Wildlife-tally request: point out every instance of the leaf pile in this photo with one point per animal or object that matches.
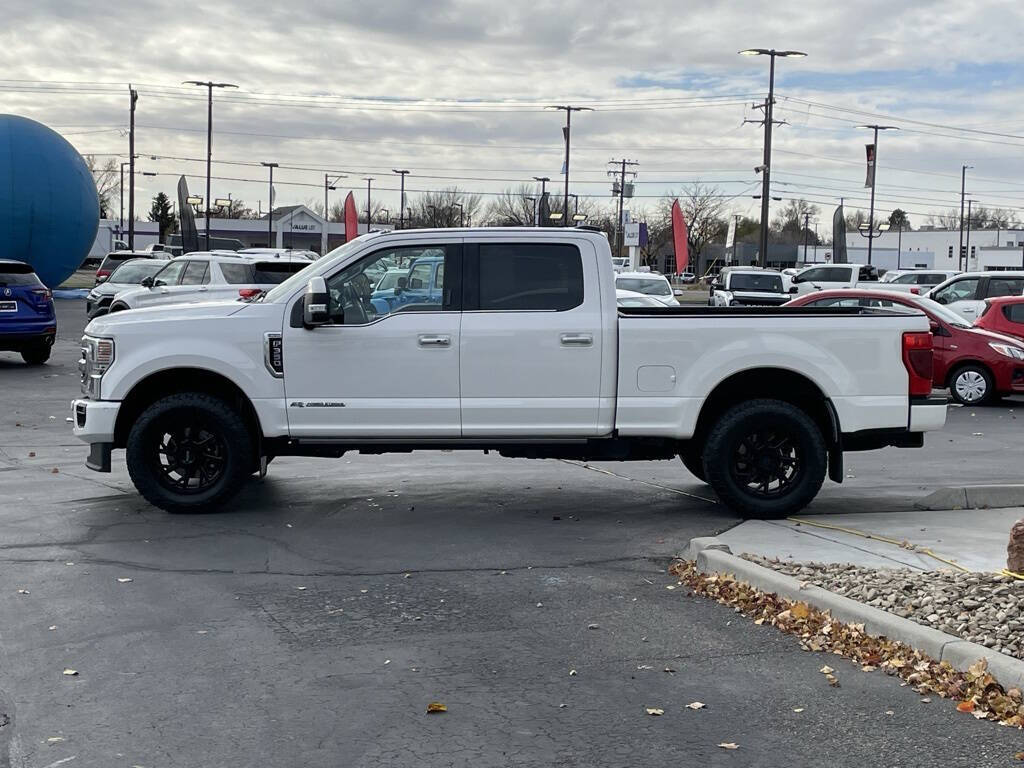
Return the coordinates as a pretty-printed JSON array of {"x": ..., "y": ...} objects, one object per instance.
[{"x": 977, "y": 692}]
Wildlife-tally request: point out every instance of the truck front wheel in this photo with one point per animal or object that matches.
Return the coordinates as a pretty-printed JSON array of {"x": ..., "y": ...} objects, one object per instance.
[
  {"x": 189, "y": 452},
  {"x": 765, "y": 459}
]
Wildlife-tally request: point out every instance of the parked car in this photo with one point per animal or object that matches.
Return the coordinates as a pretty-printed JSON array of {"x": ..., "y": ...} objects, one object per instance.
[
  {"x": 829, "y": 276},
  {"x": 207, "y": 276},
  {"x": 113, "y": 259},
  {"x": 28, "y": 322},
  {"x": 748, "y": 286},
  {"x": 975, "y": 364},
  {"x": 917, "y": 281},
  {"x": 280, "y": 253},
  {"x": 649, "y": 284},
  {"x": 965, "y": 294},
  {"x": 1005, "y": 315},
  {"x": 527, "y": 355},
  {"x": 687, "y": 278},
  {"x": 634, "y": 299},
  {"x": 620, "y": 263},
  {"x": 390, "y": 280},
  {"x": 125, "y": 275},
  {"x": 420, "y": 288}
]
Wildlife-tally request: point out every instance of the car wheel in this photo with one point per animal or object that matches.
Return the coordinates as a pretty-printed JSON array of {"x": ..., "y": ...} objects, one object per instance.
[
  {"x": 693, "y": 460},
  {"x": 972, "y": 385},
  {"x": 36, "y": 355},
  {"x": 189, "y": 452},
  {"x": 765, "y": 459}
]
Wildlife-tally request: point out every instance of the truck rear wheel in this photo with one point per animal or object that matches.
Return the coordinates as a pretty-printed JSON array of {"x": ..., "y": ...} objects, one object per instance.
[
  {"x": 765, "y": 459},
  {"x": 189, "y": 452}
]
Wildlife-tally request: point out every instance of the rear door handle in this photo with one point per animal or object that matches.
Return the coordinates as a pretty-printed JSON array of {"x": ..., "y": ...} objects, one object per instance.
[
  {"x": 435, "y": 341},
  {"x": 577, "y": 340}
]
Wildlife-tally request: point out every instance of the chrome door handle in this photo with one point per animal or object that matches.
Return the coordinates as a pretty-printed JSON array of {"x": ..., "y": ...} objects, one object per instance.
[
  {"x": 435, "y": 341},
  {"x": 577, "y": 339}
]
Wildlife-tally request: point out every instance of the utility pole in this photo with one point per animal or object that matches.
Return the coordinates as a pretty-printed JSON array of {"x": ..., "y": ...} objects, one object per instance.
[
  {"x": 461, "y": 211},
  {"x": 401, "y": 203},
  {"x": 328, "y": 185},
  {"x": 899, "y": 244},
  {"x": 210, "y": 85},
  {"x": 120, "y": 226},
  {"x": 621, "y": 171},
  {"x": 873, "y": 170},
  {"x": 807, "y": 222},
  {"x": 961, "y": 256},
  {"x": 270, "y": 208},
  {"x": 736, "y": 236},
  {"x": 369, "y": 211},
  {"x": 133, "y": 97},
  {"x": 967, "y": 247},
  {"x": 543, "y": 191},
  {"x": 566, "y": 132}
]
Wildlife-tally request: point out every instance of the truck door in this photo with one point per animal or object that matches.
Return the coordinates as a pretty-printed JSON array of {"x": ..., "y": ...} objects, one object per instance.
[
  {"x": 531, "y": 357},
  {"x": 377, "y": 370}
]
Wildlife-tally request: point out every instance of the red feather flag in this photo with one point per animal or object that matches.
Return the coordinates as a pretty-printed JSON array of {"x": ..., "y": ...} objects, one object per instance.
[
  {"x": 351, "y": 219},
  {"x": 679, "y": 238}
]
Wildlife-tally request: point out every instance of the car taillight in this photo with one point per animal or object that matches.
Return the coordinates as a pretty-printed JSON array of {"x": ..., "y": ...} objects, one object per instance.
[
  {"x": 917, "y": 359},
  {"x": 916, "y": 291},
  {"x": 42, "y": 294},
  {"x": 102, "y": 274},
  {"x": 248, "y": 293}
]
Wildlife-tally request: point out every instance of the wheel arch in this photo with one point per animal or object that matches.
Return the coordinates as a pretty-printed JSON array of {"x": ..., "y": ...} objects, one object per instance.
[
  {"x": 963, "y": 362},
  {"x": 175, "y": 380}
]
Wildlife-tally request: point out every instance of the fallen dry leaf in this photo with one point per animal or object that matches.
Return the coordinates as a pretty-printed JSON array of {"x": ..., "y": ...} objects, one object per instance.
[
  {"x": 965, "y": 706},
  {"x": 655, "y": 711},
  {"x": 71, "y": 672},
  {"x": 800, "y": 610},
  {"x": 1019, "y": 755},
  {"x": 729, "y": 745},
  {"x": 826, "y": 670},
  {"x": 696, "y": 705},
  {"x": 832, "y": 680},
  {"x": 124, "y": 581},
  {"x": 436, "y": 707}
]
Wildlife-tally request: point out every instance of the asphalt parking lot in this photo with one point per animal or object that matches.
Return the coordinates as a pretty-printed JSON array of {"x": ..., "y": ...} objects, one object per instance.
[{"x": 310, "y": 622}]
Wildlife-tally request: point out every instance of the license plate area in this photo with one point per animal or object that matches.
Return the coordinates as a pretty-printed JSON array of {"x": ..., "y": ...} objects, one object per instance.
[{"x": 8, "y": 306}]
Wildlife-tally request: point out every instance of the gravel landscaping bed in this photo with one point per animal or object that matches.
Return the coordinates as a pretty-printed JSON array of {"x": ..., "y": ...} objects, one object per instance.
[{"x": 985, "y": 608}]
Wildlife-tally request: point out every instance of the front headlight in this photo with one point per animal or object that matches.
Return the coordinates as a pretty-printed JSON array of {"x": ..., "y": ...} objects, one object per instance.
[
  {"x": 1008, "y": 351},
  {"x": 97, "y": 357}
]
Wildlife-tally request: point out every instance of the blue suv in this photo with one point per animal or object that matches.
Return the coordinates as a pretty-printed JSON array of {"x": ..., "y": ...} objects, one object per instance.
[
  {"x": 422, "y": 285},
  {"x": 28, "y": 323}
]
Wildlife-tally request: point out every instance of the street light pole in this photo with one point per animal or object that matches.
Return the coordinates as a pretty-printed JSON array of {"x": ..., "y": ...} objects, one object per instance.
[
  {"x": 461, "y": 211},
  {"x": 209, "y": 85},
  {"x": 401, "y": 201},
  {"x": 807, "y": 221},
  {"x": 270, "y": 207},
  {"x": 961, "y": 259},
  {"x": 899, "y": 244},
  {"x": 133, "y": 97},
  {"x": 369, "y": 210},
  {"x": 543, "y": 190},
  {"x": 967, "y": 247},
  {"x": 769, "y": 112},
  {"x": 120, "y": 225},
  {"x": 874, "y": 177},
  {"x": 567, "y": 132},
  {"x": 328, "y": 185}
]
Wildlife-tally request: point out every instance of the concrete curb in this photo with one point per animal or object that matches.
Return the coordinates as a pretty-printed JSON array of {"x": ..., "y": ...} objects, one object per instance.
[
  {"x": 714, "y": 557},
  {"x": 974, "y": 497}
]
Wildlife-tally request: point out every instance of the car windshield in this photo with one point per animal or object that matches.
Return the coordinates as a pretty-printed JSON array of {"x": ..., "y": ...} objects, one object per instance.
[
  {"x": 132, "y": 272},
  {"x": 749, "y": 282},
  {"x": 302, "y": 277},
  {"x": 944, "y": 314},
  {"x": 652, "y": 286},
  {"x": 390, "y": 280}
]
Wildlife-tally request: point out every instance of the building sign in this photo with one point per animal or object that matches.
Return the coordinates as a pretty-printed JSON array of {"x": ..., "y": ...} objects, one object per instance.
[{"x": 305, "y": 227}]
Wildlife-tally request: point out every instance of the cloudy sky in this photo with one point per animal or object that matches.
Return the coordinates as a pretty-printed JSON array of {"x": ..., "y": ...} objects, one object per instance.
[{"x": 454, "y": 91}]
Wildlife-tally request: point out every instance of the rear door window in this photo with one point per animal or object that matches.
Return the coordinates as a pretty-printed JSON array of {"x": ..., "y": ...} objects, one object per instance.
[
  {"x": 195, "y": 273},
  {"x": 236, "y": 274},
  {"x": 838, "y": 274},
  {"x": 529, "y": 277},
  {"x": 960, "y": 290},
  {"x": 274, "y": 272},
  {"x": 1004, "y": 286},
  {"x": 1014, "y": 313}
]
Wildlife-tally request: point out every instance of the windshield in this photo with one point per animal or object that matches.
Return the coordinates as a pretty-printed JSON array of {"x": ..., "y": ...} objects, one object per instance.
[
  {"x": 765, "y": 283},
  {"x": 301, "y": 277},
  {"x": 650, "y": 286},
  {"x": 390, "y": 280},
  {"x": 944, "y": 314},
  {"x": 132, "y": 272}
]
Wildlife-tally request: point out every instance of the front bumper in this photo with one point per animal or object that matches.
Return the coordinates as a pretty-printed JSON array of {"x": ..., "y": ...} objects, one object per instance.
[
  {"x": 28, "y": 335},
  {"x": 93, "y": 421}
]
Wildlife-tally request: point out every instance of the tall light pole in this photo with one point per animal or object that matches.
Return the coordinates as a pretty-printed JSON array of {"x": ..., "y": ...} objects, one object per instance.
[
  {"x": 120, "y": 226},
  {"x": 401, "y": 202},
  {"x": 567, "y": 133},
  {"x": 328, "y": 185},
  {"x": 209, "y": 85},
  {"x": 459, "y": 206},
  {"x": 769, "y": 112},
  {"x": 369, "y": 210},
  {"x": 961, "y": 256},
  {"x": 270, "y": 208},
  {"x": 874, "y": 175},
  {"x": 967, "y": 247},
  {"x": 133, "y": 96},
  {"x": 543, "y": 191}
]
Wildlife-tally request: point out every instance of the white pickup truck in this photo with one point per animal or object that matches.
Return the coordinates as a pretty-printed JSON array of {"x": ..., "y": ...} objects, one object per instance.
[
  {"x": 827, "y": 277},
  {"x": 519, "y": 348}
]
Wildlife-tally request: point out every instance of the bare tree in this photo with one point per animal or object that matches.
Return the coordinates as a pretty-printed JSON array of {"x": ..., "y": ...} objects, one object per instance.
[
  {"x": 947, "y": 220},
  {"x": 441, "y": 209},
  {"x": 789, "y": 225},
  {"x": 703, "y": 208},
  {"x": 108, "y": 182},
  {"x": 238, "y": 210},
  {"x": 514, "y": 207}
]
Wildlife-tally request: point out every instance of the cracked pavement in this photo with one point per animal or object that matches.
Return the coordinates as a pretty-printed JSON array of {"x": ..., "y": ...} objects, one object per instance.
[{"x": 310, "y": 622}]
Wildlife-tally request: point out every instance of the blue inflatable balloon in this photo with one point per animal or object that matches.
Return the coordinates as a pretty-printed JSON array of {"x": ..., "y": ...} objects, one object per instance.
[{"x": 49, "y": 209}]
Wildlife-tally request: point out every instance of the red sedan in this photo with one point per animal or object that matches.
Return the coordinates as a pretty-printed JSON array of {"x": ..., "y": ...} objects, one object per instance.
[
  {"x": 1003, "y": 315},
  {"x": 975, "y": 364}
]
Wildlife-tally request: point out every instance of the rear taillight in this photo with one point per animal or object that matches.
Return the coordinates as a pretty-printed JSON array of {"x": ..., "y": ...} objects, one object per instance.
[
  {"x": 917, "y": 359},
  {"x": 249, "y": 293},
  {"x": 916, "y": 291},
  {"x": 42, "y": 294},
  {"x": 102, "y": 274}
]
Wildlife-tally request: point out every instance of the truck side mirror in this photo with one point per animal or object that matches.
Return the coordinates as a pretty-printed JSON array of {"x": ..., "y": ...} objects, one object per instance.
[
  {"x": 314, "y": 303},
  {"x": 403, "y": 283},
  {"x": 794, "y": 289},
  {"x": 147, "y": 281}
]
